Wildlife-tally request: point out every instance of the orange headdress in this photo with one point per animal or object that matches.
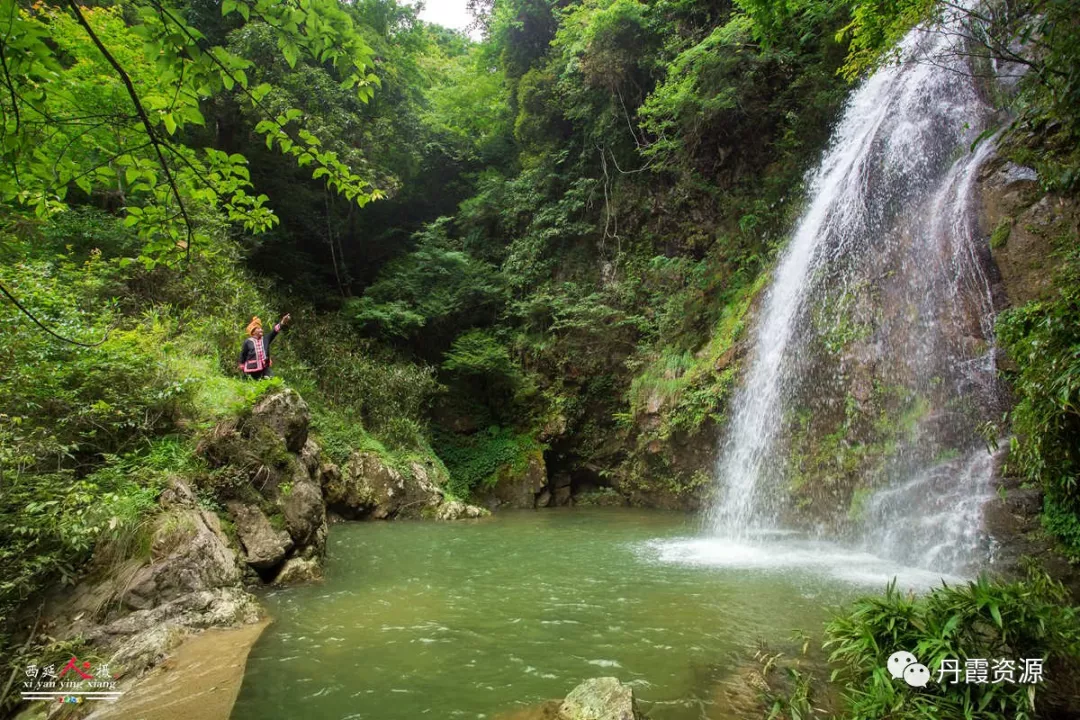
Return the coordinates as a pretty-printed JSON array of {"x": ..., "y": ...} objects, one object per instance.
[{"x": 255, "y": 323}]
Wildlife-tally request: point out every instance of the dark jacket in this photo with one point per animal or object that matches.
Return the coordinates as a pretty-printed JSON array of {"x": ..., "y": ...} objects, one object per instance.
[{"x": 249, "y": 362}]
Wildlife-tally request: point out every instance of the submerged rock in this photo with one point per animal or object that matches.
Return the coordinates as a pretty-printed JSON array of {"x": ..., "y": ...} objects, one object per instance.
[
  {"x": 600, "y": 699},
  {"x": 544, "y": 711},
  {"x": 596, "y": 699}
]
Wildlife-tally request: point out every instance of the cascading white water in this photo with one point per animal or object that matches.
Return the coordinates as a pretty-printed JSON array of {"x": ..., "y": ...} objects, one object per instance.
[{"x": 889, "y": 233}]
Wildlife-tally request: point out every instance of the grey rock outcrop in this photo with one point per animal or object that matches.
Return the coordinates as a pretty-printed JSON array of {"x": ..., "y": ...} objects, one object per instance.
[
  {"x": 305, "y": 512},
  {"x": 136, "y": 608},
  {"x": 263, "y": 545},
  {"x": 287, "y": 415},
  {"x": 188, "y": 553},
  {"x": 350, "y": 491},
  {"x": 367, "y": 487},
  {"x": 275, "y": 492},
  {"x": 311, "y": 457},
  {"x": 457, "y": 510},
  {"x": 143, "y": 638}
]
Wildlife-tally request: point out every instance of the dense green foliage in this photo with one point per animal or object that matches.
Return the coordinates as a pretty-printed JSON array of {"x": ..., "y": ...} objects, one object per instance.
[
  {"x": 89, "y": 436},
  {"x": 100, "y": 105},
  {"x": 574, "y": 218},
  {"x": 651, "y": 170},
  {"x": 475, "y": 461},
  {"x": 1044, "y": 339},
  {"x": 979, "y": 620}
]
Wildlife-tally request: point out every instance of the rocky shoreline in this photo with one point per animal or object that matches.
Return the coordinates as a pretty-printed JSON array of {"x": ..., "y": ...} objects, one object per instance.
[
  {"x": 259, "y": 519},
  {"x": 174, "y": 620}
]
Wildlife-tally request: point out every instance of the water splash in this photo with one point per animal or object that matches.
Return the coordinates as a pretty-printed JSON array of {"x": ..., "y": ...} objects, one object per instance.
[{"x": 881, "y": 293}]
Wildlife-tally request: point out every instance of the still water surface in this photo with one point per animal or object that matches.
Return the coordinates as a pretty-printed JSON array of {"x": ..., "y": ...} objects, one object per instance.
[{"x": 474, "y": 619}]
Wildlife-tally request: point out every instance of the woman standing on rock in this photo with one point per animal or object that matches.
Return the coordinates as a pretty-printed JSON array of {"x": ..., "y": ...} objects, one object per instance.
[{"x": 255, "y": 360}]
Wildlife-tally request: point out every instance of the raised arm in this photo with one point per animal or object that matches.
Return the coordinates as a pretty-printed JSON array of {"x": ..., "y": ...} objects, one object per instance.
[{"x": 278, "y": 328}]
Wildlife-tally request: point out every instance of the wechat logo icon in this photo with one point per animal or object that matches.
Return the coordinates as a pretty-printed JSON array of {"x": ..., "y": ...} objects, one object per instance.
[{"x": 904, "y": 665}]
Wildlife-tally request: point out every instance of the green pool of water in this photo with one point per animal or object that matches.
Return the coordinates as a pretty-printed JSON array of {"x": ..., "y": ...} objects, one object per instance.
[{"x": 475, "y": 619}]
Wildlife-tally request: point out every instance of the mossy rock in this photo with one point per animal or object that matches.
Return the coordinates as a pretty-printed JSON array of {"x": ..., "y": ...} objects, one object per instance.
[{"x": 1001, "y": 234}]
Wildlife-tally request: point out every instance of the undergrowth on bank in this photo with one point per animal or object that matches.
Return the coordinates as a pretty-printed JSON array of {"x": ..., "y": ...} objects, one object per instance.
[
  {"x": 987, "y": 620},
  {"x": 981, "y": 619},
  {"x": 476, "y": 462},
  {"x": 90, "y": 436},
  {"x": 1043, "y": 338}
]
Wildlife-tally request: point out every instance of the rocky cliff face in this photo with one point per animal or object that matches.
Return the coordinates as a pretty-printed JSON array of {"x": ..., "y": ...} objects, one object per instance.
[
  {"x": 520, "y": 487},
  {"x": 271, "y": 485},
  {"x": 1022, "y": 222},
  {"x": 135, "y": 611}
]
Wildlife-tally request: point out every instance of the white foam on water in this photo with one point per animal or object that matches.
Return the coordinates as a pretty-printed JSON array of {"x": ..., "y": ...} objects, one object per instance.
[{"x": 793, "y": 557}]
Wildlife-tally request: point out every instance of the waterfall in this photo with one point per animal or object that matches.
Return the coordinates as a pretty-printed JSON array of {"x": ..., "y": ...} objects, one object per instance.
[{"x": 876, "y": 335}]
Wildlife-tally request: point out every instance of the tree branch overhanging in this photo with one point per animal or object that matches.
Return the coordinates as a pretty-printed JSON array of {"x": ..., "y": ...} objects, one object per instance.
[{"x": 144, "y": 118}]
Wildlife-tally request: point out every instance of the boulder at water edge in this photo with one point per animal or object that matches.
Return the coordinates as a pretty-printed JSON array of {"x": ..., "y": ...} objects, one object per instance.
[
  {"x": 457, "y": 510},
  {"x": 368, "y": 487},
  {"x": 298, "y": 570},
  {"x": 600, "y": 699}
]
